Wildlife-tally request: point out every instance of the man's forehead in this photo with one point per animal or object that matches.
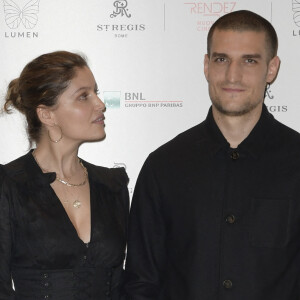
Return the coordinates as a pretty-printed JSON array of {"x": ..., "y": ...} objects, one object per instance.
[
  {"x": 237, "y": 39},
  {"x": 238, "y": 32}
]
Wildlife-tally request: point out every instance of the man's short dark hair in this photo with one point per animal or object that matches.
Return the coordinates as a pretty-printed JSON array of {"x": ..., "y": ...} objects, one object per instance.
[{"x": 245, "y": 20}]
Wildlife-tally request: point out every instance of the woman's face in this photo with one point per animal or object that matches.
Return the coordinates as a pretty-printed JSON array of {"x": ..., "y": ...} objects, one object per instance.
[{"x": 79, "y": 111}]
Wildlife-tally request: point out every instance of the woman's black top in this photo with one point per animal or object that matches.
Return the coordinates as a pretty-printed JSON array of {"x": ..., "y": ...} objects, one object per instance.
[{"x": 39, "y": 246}]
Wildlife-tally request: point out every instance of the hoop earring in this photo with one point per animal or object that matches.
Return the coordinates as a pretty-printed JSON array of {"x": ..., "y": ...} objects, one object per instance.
[{"x": 61, "y": 135}]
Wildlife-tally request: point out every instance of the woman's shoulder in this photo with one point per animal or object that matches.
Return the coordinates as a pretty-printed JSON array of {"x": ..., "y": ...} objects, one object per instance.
[
  {"x": 1, "y": 173},
  {"x": 16, "y": 169},
  {"x": 113, "y": 178}
]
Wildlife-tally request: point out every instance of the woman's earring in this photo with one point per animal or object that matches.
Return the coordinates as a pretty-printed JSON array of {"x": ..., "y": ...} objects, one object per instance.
[{"x": 61, "y": 135}]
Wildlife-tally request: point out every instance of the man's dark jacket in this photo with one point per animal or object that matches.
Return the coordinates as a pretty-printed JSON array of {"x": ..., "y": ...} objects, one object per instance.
[{"x": 209, "y": 222}]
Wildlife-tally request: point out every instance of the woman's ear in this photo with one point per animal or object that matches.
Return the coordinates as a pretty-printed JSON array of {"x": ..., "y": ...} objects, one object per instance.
[{"x": 45, "y": 115}]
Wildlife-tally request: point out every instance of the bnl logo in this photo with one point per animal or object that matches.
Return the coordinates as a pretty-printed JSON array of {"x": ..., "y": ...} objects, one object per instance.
[
  {"x": 121, "y": 9},
  {"x": 112, "y": 99}
]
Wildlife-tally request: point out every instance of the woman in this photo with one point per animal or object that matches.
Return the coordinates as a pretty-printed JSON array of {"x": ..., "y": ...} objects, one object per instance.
[{"x": 62, "y": 220}]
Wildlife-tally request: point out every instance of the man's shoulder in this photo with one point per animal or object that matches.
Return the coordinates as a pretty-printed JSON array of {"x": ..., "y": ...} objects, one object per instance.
[
  {"x": 284, "y": 133},
  {"x": 280, "y": 143},
  {"x": 182, "y": 143}
]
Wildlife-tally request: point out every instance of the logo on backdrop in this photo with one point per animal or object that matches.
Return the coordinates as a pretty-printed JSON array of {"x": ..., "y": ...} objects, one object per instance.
[
  {"x": 120, "y": 14},
  {"x": 120, "y": 165},
  {"x": 123, "y": 165},
  {"x": 296, "y": 16},
  {"x": 21, "y": 17},
  {"x": 296, "y": 10},
  {"x": 121, "y": 9},
  {"x": 208, "y": 12},
  {"x": 136, "y": 100},
  {"x": 271, "y": 105},
  {"x": 14, "y": 15},
  {"x": 112, "y": 99},
  {"x": 268, "y": 92}
]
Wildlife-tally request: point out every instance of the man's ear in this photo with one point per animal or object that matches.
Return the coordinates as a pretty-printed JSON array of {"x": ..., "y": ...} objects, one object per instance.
[
  {"x": 206, "y": 66},
  {"x": 273, "y": 68},
  {"x": 45, "y": 115}
]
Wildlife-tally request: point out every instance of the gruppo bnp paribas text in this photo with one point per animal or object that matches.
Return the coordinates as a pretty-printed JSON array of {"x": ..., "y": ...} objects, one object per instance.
[{"x": 137, "y": 100}]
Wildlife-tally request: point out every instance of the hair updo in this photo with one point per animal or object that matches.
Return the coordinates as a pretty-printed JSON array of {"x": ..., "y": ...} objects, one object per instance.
[{"x": 40, "y": 83}]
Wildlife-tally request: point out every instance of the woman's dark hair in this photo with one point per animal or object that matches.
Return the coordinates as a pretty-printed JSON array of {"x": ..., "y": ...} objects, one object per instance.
[{"x": 40, "y": 83}]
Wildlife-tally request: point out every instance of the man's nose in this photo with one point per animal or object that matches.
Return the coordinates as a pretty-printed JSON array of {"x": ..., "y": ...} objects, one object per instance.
[{"x": 234, "y": 72}]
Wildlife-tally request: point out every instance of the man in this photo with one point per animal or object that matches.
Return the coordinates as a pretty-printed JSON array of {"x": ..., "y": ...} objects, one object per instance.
[{"x": 216, "y": 211}]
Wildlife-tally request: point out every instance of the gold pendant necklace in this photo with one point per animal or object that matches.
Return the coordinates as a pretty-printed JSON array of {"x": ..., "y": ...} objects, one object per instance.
[
  {"x": 75, "y": 184},
  {"x": 77, "y": 203}
]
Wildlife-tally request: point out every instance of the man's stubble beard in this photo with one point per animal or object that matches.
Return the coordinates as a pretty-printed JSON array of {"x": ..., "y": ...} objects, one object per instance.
[{"x": 245, "y": 109}]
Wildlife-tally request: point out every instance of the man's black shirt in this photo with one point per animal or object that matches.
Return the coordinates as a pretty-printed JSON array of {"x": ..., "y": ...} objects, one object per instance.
[{"x": 209, "y": 222}]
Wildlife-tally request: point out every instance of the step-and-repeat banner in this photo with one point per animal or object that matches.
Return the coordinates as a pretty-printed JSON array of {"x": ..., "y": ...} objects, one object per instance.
[{"x": 147, "y": 58}]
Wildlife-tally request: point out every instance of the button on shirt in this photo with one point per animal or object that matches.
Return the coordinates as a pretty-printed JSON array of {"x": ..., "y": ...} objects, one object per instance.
[{"x": 210, "y": 222}]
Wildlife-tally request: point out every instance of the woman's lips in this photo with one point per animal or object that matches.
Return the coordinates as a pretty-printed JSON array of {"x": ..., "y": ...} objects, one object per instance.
[{"x": 99, "y": 120}]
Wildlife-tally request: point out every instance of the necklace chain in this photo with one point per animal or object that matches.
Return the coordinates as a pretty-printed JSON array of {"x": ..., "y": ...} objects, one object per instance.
[
  {"x": 65, "y": 181},
  {"x": 75, "y": 184}
]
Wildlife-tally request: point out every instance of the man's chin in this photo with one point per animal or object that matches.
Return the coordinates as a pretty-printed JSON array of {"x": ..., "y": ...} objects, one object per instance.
[{"x": 234, "y": 112}]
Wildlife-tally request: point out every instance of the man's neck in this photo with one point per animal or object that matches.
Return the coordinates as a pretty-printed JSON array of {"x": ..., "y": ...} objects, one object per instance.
[{"x": 236, "y": 128}]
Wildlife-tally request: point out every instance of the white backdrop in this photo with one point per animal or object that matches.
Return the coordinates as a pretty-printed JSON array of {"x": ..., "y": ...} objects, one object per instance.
[{"x": 147, "y": 57}]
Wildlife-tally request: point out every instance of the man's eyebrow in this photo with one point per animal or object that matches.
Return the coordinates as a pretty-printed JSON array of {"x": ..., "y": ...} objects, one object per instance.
[
  {"x": 216, "y": 54},
  {"x": 255, "y": 55}
]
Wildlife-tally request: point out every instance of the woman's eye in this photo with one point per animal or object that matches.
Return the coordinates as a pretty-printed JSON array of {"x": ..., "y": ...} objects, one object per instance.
[{"x": 83, "y": 96}]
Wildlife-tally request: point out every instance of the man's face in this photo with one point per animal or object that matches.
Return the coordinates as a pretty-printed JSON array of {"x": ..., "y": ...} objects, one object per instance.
[{"x": 238, "y": 70}]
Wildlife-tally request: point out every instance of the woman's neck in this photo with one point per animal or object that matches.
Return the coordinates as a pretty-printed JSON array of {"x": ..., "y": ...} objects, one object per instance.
[{"x": 59, "y": 158}]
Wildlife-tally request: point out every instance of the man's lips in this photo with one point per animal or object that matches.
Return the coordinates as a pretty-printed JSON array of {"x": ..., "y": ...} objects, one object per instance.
[{"x": 232, "y": 90}]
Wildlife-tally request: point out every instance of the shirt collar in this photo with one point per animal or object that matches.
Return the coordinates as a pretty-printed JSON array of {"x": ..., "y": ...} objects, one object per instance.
[
  {"x": 252, "y": 144},
  {"x": 35, "y": 173},
  {"x": 255, "y": 142},
  {"x": 114, "y": 178}
]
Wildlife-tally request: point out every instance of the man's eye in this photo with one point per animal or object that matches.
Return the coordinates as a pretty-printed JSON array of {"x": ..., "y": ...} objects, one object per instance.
[
  {"x": 220, "y": 59},
  {"x": 250, "y": 61}
]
